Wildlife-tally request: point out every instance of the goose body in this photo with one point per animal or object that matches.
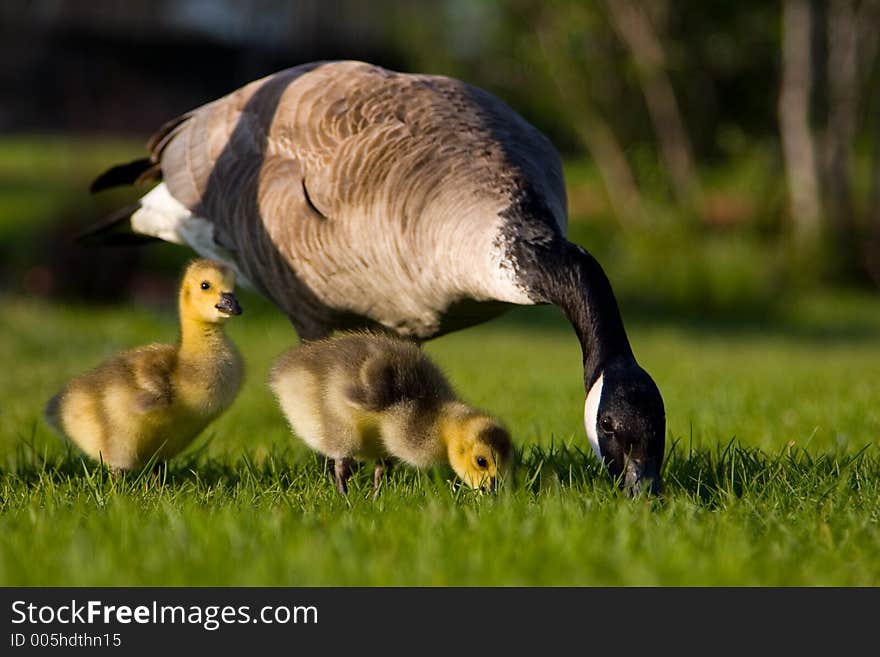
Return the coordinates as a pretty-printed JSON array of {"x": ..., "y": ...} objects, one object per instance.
[
  {"x": 153, "y": 400},
  {"x": 357, "y": 197},
  {"x": 357, "y": 396}
]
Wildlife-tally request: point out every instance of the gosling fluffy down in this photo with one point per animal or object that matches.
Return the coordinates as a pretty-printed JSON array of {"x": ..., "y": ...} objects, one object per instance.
[
  {"x": 155, "y": 399},
  {"x": 359, "y": 396}
]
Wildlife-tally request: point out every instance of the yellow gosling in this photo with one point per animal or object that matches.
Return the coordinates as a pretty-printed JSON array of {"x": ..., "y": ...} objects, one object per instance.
[
  {"x": 155, "y": 399},
  {"x": 360, "y": 396}
]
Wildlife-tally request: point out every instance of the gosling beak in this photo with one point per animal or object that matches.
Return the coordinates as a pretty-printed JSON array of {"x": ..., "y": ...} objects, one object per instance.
[
  {"x": 228, "y": 304},
  {"x": 640, "y": 477},
  {"x": 488, "y": 485}
]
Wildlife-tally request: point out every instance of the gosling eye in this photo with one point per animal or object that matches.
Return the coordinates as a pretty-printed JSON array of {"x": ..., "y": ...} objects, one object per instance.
[
  {"x": 206, "y": 285},
  {"x": 607, "y": 424},
  {"x": 482, "y": 463}
]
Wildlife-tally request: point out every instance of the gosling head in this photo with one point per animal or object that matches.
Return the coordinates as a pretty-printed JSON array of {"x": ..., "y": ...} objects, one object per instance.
[
  {"x": 207, "y": 292},
  {"x": 479, "y": 450}
]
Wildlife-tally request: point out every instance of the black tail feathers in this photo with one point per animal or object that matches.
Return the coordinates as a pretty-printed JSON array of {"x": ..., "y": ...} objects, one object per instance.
[
  {"x": 114, "y": 230},
  {"x": 130, "y": 173}
]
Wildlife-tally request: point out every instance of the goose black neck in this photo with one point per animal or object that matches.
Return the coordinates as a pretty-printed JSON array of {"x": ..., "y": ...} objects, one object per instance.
[{"x": 576, "y": 282}]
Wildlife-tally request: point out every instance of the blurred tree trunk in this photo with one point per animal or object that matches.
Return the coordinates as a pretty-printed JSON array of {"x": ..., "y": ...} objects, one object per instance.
[
  {"x": 794, "y": 123},
  {"x": 872, "y": 247},
  {"x": 842, "y": 107},
  {"x": 868, "y": 22},
  {"x": 868, "y": 25},
  {"x": 646, "y": 49},
  {"x": 592, "y": 129},
  {"x": 852, "y": 42},
  {"x": 623, "y": 193}
]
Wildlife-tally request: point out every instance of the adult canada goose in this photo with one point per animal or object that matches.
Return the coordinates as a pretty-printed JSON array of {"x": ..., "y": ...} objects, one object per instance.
[
  {"x": 353, "y": 196},
  {"x": 361, "y": 396},
  {"x": 153, "y": 400}
]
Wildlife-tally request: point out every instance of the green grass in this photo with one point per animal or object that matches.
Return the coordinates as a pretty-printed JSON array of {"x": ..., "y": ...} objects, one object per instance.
[
  {"x": 773, "y": 403},
  {"x": 772, "y": 472}
]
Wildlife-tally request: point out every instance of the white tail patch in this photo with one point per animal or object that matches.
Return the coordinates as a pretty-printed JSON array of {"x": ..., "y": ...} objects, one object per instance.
[
  {"x": 591, "y": 415},
  {"x": 160, "y": 215},
  {"x": 163, "y": 216}
]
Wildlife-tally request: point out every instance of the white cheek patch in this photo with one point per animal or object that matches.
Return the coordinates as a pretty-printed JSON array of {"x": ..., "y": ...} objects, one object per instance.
[{"x": 591, "y": 415}]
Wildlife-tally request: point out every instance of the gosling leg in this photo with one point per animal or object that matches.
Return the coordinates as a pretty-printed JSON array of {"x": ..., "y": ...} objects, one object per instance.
[
  {"x": 160, "y": 472},
  {"x": 342, "y": 469},
  {"x": 383, "y": 466}
]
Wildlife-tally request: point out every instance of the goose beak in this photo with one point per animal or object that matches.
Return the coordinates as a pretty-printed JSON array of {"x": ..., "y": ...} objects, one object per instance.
[
  {"x": 638, "y": 477},
  {"x": 228, "y": 304}
]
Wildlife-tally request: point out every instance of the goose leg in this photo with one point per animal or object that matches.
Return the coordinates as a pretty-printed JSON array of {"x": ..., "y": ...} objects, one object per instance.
[{"x": 342, "y": 469}]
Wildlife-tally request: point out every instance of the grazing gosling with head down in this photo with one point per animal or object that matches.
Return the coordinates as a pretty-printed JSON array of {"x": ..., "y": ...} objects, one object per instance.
[
  {"x": 361, "y": 396},
  {"x": 155, "y": 399}
]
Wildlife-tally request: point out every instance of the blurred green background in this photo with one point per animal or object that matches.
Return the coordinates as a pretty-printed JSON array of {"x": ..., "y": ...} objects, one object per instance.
[{"x": 721, "y": 159}]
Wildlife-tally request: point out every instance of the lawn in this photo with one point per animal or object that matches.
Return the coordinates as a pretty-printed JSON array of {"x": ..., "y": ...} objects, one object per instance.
[{"x": 772, "y": 475}]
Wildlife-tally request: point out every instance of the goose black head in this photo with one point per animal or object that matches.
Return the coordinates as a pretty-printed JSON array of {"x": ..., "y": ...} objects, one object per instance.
[{"x": 626, "y": 425}]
